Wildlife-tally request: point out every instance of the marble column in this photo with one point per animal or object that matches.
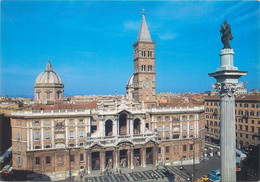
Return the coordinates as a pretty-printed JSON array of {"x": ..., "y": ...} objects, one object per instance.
[
  {"x": 132, "y": 157},
  {"x": 227, "y": 82},
  {"x": 143, "y": 156},
  {"x": 89, "y": 161}
]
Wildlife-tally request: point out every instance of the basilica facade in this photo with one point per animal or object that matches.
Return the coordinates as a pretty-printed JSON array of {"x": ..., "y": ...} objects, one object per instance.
[{"x": 54, "y": 136}]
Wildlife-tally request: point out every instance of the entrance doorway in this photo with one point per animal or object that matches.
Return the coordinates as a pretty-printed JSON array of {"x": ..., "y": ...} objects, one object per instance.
[
  {"x": 149, "y": 155},
  {"x": 123, "y": 158},
  {"x": 137, "y": 157},
  {"x": 95, "y": 161},
  {"x": 109, "y": 159}
]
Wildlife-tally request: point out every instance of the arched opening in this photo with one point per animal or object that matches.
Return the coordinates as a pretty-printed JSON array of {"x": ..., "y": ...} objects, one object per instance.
[
  {"x": 137, "y": 126},
  {"x": 109, "y": 128},
  {"x": 122, "y": 124}
]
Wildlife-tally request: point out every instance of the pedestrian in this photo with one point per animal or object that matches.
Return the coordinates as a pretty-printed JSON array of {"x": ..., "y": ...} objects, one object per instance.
[{"x": 141, "y": 178}]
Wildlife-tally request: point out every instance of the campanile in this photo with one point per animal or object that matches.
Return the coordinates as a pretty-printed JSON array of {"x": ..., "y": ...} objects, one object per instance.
[{"x": 144, "y": 66}]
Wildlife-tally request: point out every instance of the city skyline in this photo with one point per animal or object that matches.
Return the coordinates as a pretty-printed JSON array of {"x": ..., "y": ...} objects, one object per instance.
[{"x": 90, "y": 45}]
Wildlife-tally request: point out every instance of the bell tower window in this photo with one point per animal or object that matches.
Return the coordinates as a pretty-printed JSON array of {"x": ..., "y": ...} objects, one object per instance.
[
  {"x": 149, "y": 53},
  {"x": 143, "y": 53},
  {"x": 143, "y": 67},
  {"x": 150, "y": 68}
]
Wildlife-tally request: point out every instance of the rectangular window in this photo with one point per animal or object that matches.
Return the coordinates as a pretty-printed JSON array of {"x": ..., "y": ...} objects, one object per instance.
[
  {"x": 47, "y": 122},
  {"x": 246, "y": 128},
  {"x": 37, "y": 147},
  {"x": 159, "y": 150},
  {"x": 81, "y": 133},
  {"x": 191, "y": 146},
  {"x": 18, "y": 147},
  {"x": 252, "y": 129},
  {"x": 36, "y": 122},
  {"x": 184, "y": 148},
  {"x": 38, "y": 96},
  {"x": 18, "y": 136},
  {"x": 159, "y": 128},
  {"x": 253, "y": 121},
  {"x": 81, "y": 144},
  {"x": 240, "y": 127},
  {"x": 48, "y": 95},
  {"x": 81, "y": 120},
  {"x": 37, "y": 160},
  {"x": 71, "y": 158},
  {"x": 253, "y": 105},
  {"x": 167, "y": 149},
  {"x": 37, "y": 136},
  {"x": 241, "y": 135},
  {"x": 167, "y": 128},
  {"x": 18, "y": 122},
  {"x": 71, "y": 134},
  {"x": 191, "y": 127},
  {"x": 48, "y": 160},
  {"x": 47, "y": 135},
  {"x": 143, "y": 67},
  {"x": 81, "y": 157},
  {"x": 184, "y": 127}
]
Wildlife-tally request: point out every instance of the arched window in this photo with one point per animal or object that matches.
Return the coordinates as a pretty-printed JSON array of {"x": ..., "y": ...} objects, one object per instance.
[
  {"x": 137, "y": 126},
  {"x": 109, "y": 128}
]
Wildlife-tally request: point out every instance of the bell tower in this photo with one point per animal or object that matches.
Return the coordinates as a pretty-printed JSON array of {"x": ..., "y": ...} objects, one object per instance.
[{"x": 144, "y": 67}]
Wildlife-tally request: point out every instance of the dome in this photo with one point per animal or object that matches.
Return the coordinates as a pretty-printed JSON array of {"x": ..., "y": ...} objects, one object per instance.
[
  {"x": 48, "y": 76},
  {"x": 130, "y": 81}
]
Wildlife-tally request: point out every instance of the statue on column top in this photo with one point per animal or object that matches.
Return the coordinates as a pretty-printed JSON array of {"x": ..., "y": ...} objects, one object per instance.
[{"x": 226, "y": 34}]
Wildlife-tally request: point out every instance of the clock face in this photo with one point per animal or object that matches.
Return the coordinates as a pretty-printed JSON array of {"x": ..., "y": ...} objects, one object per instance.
[{"x": 147, "y": 85}]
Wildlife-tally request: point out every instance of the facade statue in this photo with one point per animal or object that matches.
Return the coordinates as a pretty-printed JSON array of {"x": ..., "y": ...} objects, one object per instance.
[{"x": 226, "y": 34}]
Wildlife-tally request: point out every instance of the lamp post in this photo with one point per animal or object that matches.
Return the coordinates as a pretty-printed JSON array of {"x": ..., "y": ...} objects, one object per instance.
[{"x": 193, "y": 159}]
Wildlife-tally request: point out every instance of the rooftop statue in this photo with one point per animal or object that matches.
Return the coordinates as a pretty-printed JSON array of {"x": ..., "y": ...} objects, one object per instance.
[{"x": 226, "y": 34}]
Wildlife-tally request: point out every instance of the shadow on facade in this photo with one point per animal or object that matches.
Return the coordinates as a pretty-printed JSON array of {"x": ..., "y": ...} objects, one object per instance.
[{"x": 23, "y": 175}]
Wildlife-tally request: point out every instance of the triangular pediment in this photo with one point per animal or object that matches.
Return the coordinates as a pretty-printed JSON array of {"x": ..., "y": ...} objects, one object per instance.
[
  {"x": 96, "y": 145},
  {"x": 124, "y": 111}
]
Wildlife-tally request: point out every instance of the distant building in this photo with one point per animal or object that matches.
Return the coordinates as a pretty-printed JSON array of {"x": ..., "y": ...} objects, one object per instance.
[
  {"x": 48, "y": 86},
  {"x": 247, "y": 114}
]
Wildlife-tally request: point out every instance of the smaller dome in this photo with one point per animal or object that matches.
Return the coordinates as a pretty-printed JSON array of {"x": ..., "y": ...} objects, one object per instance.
[
  {"x": 48, "y": 76},
  {"x": 130, "y": 81}
]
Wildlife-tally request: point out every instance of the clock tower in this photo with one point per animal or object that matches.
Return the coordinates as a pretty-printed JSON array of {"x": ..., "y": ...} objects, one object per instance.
[{"x": 144, "y": 67}]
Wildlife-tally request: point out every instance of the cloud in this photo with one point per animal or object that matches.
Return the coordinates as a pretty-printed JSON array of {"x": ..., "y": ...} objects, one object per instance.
[
  {"x": 247, "y": 16},
  {"x": 132, "y": 25},
  {"x": 168, "y": 36},
  {"x": 86, "y": 53},
  {"x": 235, "y": 9}
]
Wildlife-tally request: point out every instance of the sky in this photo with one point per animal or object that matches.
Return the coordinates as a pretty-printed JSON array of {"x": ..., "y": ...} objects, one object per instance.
[{"x": 90, "y": 43}]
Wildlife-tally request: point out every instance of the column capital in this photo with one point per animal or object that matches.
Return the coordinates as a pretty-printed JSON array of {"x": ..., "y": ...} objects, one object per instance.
[{"x": 226, "y": 89}]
